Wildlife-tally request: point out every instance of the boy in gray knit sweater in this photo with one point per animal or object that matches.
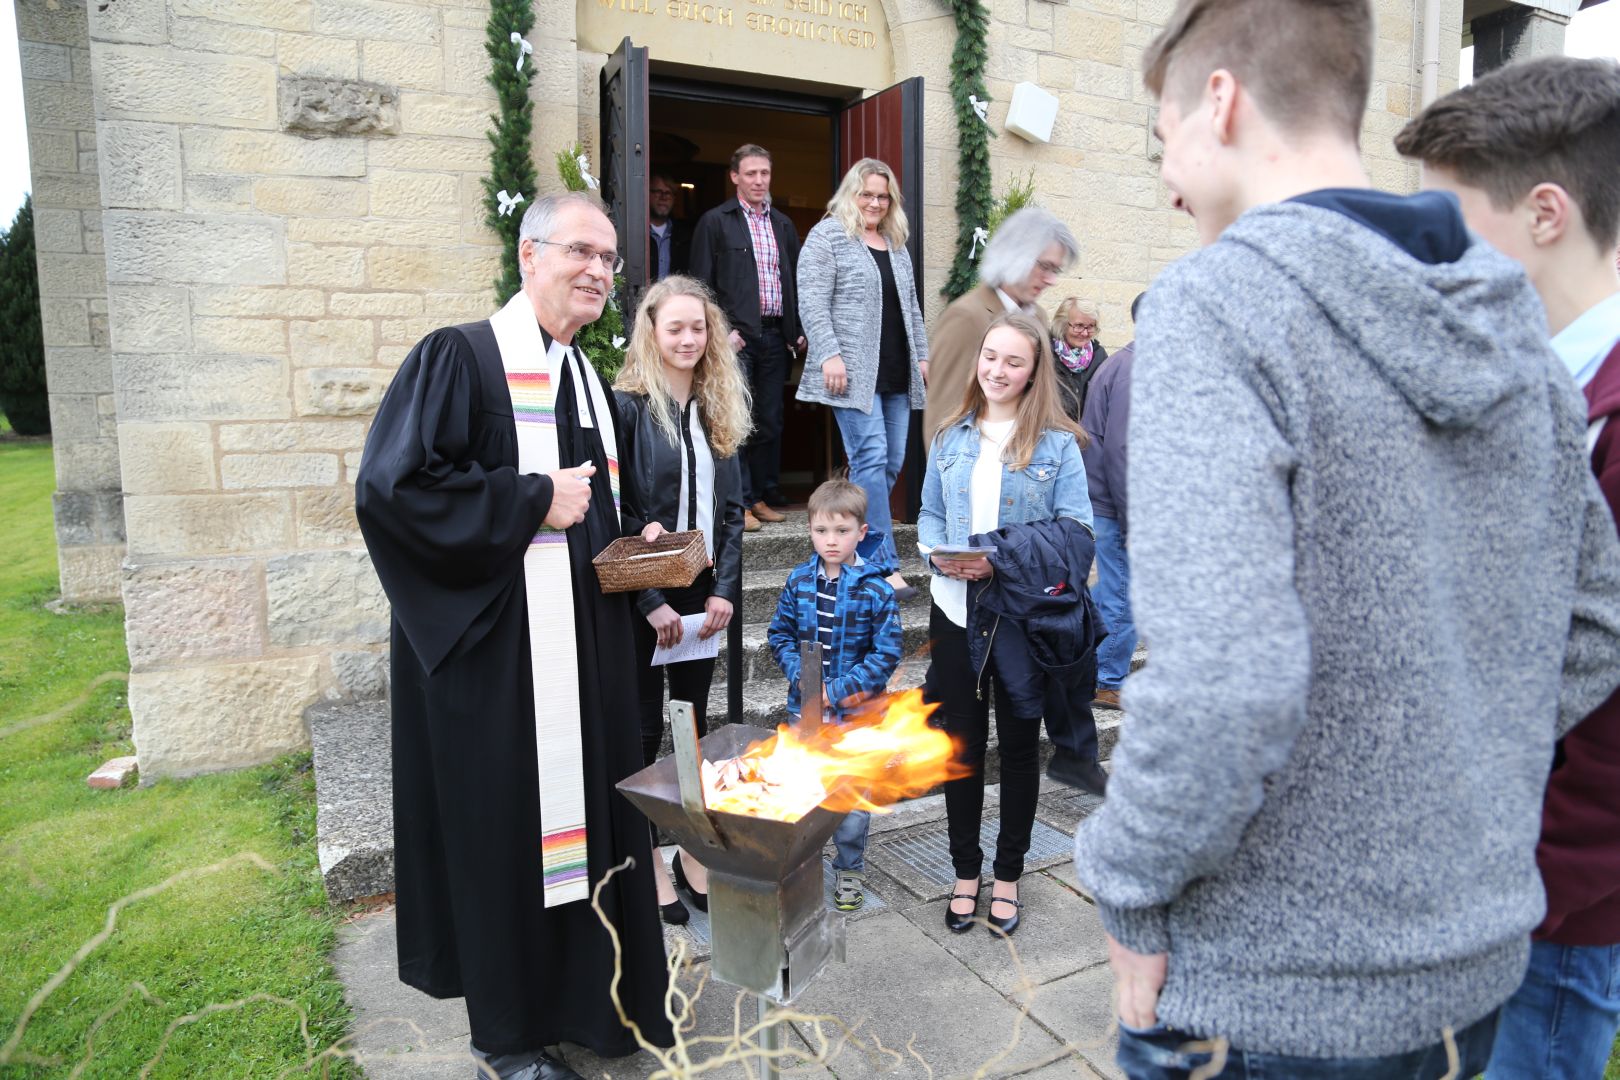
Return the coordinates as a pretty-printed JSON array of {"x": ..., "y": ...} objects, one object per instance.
[{"x": 1319, "y": 839}]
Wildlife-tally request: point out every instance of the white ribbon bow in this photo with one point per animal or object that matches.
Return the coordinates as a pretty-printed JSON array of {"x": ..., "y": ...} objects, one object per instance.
[
  {"x": 585, "y": 171},
  {"x": 618, "y": 342},
  {"x": 981, "y": 109},
  {"x": 508, "y": 202},
  {"x": 524, "y": 48},
  {"x": 980, "y": 236}
]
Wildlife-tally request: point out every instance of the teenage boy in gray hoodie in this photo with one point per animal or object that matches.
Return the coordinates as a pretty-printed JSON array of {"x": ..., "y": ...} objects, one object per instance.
[{"x": 1377, "y": 578}]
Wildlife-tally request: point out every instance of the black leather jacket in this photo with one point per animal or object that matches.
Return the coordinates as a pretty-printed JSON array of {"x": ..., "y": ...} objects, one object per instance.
[{"x": 650, "y": 475}]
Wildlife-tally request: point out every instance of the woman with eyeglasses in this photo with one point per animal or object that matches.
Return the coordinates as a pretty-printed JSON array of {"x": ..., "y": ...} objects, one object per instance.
[
  {"x": 1079, "y": 353},
  {"x": 868, "y": 351}
]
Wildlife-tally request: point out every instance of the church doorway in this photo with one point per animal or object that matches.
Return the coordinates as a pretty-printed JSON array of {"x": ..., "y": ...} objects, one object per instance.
[{"x": 659, "y": 119}]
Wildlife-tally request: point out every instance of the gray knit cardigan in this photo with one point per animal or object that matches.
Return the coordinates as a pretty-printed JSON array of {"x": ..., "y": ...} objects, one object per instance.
[{"x": 841, "y": 310}]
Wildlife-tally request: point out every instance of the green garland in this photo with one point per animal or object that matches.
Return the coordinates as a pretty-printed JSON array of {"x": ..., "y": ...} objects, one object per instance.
[
  {"x": 511, "y": 157},
  {"x": 602, "y": 340},
  {"x": 973, "y": 199}
]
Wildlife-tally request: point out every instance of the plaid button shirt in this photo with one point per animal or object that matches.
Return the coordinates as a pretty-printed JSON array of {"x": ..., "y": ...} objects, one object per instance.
[{"x": 767, "y": 259}]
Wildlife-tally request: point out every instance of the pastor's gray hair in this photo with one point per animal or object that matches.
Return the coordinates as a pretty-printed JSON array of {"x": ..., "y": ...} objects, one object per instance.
[
  {"x": 1018, "y": 244},
  {"x": 540, "y": 219}
]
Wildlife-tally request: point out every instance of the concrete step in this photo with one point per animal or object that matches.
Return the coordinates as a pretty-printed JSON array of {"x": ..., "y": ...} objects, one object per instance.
[
  {"x": 762, "y": 589},
  {"x": 786, "y": 544},
  {"x": 354, "y": 788},
  {"x": 759, "y": 664}
]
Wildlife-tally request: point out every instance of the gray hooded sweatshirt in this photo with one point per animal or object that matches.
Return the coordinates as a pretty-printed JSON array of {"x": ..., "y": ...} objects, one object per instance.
[{"x": 1377, "y": 580}]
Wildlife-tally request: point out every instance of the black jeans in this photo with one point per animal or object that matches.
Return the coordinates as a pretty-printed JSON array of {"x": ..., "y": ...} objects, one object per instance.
[
  {"x": 765, "y": 363},
  {"x": 952, "y": 682},
  {"x": 687, "y": 682},
  {"x": 1069, "y": 720}
]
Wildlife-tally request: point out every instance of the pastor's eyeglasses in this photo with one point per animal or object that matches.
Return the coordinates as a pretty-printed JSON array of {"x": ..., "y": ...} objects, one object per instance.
[{"x": 584, "y": 253}]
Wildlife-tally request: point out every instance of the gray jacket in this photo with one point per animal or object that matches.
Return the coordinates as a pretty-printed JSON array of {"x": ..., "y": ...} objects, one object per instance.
[
  {"x": 1378, "y": 581},
  {"x": 841, "y": 310}
]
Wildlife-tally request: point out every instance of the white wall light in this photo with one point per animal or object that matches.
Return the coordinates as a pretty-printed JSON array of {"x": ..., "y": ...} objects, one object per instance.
[{"x": 1031, "y": 113}]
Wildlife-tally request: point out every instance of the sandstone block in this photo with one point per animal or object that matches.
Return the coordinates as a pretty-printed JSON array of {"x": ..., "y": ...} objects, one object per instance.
[
  {"x": 64, "y": 322},
  {"x": 367, "y": 233},
  {"x": 166, "y": 459},
  {"x": 335, "y": 58},
  {"x": 221, "y": 716},
  {"x": 58, "y": 230},
  {"x": 310, "y": 197},
  {"x": 1087, "y": 35},
  {"x": 233, "y": 335},
  {"x": 42, "y": 61},
  {"x": 86, "y": 465},
  {"x": 323, "y": 106},
  {"x": 113, "y": 774},
  {"x": 328, "y": 266},
  {"x": 466, "y": 64},
  {"x": 324, "y": 598},
  {"x": 52, "y": 151},
  {"x": 75, "y": 417},
  {"x": 407, "y": 65},
  {"x": 361, "y": 675},
  {"x": 143, "y": 21},
  {"x": 205, "y": 35},
  {"x": 207, "y": 525},
  {"x": 406, "y": 331},
  {"x": 422, "y": 269},
  {"x": 58, "y": 104},
  {"x": 458, "y": 307},
  {"x": 192, "y": 610},
  {"x": 331, "y": 343},
  {"x": 238, "y": 471},
  {"x": 80, "y": 191},
  {"x": 144, "y": 247},
  {"x": 85, "y": 370},
  {"x": 417, "y": 196},
  {"x": 351, "y": 466},
  {"x": 143, "y": 165},
  {"x": 59, "y": 24},
  {"x": 89, "y": 575},
  {"x": 200, "y": 386},
  {"x": 216, "y": 194},
  {"x": 379, "y": 20},
  {"x": 376, "y": 303},
  {"x": 275, "y": 14},
  {"x": 339, "y": 391},
  {"x": 295, "y": 435},
  {"x": 214, "y": 150},
  {"x": 148, "y": 318},
  {"x": 470, "y": 153},
  {"x": 446, "y": 114},
  {"x": 84, "y": 518},
  {"x": 62, "y": 274},
  {"x": 326, "y": 518},
  {"x": 228, "y": 300},
  {"x": 140, "y": 82}
]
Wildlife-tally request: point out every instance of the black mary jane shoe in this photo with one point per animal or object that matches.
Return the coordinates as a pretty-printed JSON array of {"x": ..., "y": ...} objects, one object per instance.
[
  {"x": 674, "y": 913},
  {"x": 700, "y": 900},
  {"x": 1006, "y": 926},
  {"x": 961, "y": 924}
]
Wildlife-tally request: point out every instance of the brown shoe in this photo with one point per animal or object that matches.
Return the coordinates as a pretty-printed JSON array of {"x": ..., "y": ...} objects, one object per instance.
[
  {"x": 750, "y": 522},
  {"x": 1107, "y": 699},
  {"x": 765, "y": 513}
]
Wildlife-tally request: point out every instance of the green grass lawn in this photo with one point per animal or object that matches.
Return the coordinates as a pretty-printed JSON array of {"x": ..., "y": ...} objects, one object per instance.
[{"x": 67, "y": 853}]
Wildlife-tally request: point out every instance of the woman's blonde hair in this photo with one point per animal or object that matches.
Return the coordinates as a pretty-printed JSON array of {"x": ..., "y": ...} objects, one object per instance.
[
  {"x": 718, "y": 385},
  {"x": 1066, "y": 312},
  {"x": 844, "y": 209},
  {"x": 1040, "y": 410}
]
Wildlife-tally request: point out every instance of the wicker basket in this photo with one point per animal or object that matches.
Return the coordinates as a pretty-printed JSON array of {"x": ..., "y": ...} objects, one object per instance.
[{"x": 673, "y": 561}]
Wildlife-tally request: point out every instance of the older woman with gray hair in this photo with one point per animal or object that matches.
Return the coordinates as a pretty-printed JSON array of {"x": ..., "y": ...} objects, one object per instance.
[
  {"x": 1023, "y": 259},
  {"x": 868, "y": 352}
]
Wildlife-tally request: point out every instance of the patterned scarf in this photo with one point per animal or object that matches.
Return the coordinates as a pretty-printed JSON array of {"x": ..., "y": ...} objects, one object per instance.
[{"x": 1071, "y": 358}]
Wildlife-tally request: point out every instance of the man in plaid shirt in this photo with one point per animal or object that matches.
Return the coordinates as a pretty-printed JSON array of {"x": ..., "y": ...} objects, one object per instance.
[{"x": 748, "y": 253}]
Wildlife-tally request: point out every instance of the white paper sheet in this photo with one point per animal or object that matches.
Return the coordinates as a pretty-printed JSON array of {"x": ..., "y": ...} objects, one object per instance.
[{"x": 690, "y": 646}]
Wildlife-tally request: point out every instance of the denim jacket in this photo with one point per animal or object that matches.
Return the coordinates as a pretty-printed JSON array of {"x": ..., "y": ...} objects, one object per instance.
[{"x": 1052, "y": 485}]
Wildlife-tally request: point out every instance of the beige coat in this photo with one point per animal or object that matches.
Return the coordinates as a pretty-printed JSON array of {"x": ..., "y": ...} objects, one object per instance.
[{"x": 953, "y": 351}]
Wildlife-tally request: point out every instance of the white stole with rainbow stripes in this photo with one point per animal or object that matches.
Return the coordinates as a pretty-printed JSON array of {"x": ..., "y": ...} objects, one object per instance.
[{"x": 533, "y": 374}]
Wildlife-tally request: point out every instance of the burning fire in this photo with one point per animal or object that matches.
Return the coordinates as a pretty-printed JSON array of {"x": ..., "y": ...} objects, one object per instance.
[{"x": 867, "y": 763}]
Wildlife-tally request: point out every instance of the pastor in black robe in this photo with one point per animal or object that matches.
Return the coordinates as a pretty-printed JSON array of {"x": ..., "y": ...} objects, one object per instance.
[{"x": 447, "y": 518}]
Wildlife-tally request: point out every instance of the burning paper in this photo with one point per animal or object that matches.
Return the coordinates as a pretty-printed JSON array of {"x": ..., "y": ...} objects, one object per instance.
[{"x": 886, "y": 753}]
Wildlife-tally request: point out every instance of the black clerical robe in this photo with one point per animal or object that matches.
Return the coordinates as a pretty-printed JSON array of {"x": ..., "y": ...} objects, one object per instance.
[{"x": 447, "y": 518}]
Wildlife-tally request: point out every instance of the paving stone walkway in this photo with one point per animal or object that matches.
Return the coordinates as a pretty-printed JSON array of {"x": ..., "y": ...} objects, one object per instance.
[{"x": 939, "y": 1004}]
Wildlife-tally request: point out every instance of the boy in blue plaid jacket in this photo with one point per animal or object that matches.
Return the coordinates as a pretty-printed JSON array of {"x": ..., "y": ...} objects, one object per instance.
[{"x": 836, "y": 598}]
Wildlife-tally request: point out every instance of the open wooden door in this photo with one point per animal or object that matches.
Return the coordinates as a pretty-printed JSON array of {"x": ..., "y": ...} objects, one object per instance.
[
  {"x": 889, "y": 126},
  {"x": 625, "y": 146}
]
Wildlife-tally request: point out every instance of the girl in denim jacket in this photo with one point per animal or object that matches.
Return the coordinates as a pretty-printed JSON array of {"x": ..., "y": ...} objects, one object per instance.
[{"x": 1008, "y": 455}]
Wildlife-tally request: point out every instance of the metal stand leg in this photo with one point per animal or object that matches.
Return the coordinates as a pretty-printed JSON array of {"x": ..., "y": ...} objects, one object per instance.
[{"x": 770, "y": 1041}]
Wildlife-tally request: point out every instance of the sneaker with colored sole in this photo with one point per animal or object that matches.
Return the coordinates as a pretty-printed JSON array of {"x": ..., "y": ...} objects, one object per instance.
[{"x": 849, "y": 892}]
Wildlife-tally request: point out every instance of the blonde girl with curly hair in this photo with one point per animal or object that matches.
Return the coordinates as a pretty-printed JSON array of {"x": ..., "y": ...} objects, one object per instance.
[{"x": 683, "y": 414}]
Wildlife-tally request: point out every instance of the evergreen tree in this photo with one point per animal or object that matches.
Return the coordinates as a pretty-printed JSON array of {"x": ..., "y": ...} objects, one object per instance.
[
  {"x": 973, "y": 199},
  {"x": 511, "y": 167},
  {"x": 22, "y": 349}
]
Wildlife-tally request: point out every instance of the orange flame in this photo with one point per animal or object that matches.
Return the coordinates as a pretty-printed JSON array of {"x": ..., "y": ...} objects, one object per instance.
[{"x": 886, "y": 753}]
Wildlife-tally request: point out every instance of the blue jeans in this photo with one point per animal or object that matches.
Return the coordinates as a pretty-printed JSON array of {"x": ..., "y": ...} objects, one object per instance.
[
  {"x": 1157, "y": 1054},
  {"x": 1561, "y": 1023},
  {"x": 875, "y": 444},
  {"x": 1113, "y": 598},
  {"x": 850, "y": 839}
]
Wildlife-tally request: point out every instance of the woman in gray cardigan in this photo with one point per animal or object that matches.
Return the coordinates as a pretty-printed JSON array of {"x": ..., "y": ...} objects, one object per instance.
[{"x": 868, "y": 353}]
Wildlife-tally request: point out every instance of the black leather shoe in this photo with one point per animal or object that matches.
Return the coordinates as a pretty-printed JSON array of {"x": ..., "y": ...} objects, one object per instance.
[
  {"x": 1004, "y": 926},
  {"x": 958, "y": 924},
  {"x": 1067, "y": 768},
  {"x": 674, "y": 913},
  {"x": 775, "y": 500},
  {"x": 552, "y": 1069},
  {"x": 700, "y": 900}
]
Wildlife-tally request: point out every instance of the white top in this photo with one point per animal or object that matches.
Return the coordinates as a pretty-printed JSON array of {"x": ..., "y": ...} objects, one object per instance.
[
  {"x": 1584, "y": 343},
  {"x": 984, "y": 501},
  {"x": 704, "y": 518}
]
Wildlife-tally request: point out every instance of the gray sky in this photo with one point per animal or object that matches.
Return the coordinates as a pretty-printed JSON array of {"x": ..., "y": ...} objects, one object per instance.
[{"x": 1594, "y": 32}]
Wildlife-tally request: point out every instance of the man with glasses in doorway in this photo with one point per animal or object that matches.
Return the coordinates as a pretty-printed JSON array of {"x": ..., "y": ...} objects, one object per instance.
[
  {"x": 669, "y": 241},
  {"x": 748, "y": 253}
]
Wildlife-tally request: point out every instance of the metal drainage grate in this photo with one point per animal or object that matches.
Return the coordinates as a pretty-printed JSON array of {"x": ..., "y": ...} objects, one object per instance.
[
  {"x": 929, "y": 853},
  {"x": 699, "y": 922}
]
